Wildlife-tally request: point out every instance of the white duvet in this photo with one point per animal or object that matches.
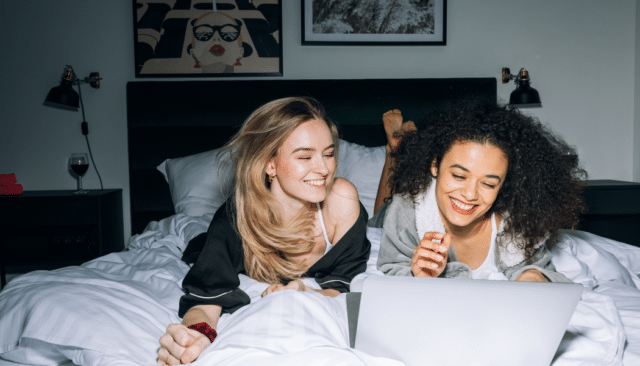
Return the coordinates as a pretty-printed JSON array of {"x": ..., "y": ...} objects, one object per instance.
[{"x": 113, "y": 310}]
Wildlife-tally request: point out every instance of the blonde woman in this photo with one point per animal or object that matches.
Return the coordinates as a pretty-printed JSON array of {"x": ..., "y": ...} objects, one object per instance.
[{"x": 288, "y": 218}]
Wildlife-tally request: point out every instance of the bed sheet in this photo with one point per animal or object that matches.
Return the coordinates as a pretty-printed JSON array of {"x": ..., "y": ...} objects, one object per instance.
[{"x": 113, "y": 310}]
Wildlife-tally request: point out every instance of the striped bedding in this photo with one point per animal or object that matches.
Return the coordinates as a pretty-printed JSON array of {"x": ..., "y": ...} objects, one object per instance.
[{"x": 113, "y": 310}]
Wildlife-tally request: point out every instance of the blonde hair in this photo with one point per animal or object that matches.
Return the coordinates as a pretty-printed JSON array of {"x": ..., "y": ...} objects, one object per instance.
[{"x": 268, "y": 241}]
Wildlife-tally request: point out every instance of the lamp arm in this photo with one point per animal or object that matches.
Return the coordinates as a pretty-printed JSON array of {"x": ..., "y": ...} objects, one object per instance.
[
  {"x": 85, "y": 131},
  {"x": 93, "y": 79},
  {"x": 85, "y": 126},
  {"x": 508, "y": 76}
]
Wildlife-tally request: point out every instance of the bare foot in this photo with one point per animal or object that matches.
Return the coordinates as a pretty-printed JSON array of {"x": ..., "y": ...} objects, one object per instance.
[{"x": 395, "y": 128}]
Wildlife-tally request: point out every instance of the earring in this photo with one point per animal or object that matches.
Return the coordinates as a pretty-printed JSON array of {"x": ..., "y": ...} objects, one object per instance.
[{"x": 271, "y": 178}]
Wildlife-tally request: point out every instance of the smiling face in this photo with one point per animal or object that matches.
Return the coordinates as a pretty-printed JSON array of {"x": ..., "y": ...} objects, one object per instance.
[
  {"x": 468, "y": 181},
  {"x": 304, "y": 166}
]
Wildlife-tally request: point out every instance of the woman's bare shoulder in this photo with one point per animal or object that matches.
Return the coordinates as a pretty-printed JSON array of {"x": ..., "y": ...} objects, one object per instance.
[
  {"x": 343, "y": 189},
  {"x": 343, "y": 203}
]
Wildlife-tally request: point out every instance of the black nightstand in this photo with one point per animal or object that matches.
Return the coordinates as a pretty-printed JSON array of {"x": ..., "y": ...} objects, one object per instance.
[
  {"x": 53, "y": 229},
  {"x": 613, "y": 210}
]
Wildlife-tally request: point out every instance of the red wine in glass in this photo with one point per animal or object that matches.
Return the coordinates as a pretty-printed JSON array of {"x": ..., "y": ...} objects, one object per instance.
[
  {"x": 79, "y": 164},
  {"x": 80, "y": 169}
]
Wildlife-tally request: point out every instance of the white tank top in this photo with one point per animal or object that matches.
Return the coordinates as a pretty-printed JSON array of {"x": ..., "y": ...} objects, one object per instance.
[
  {"x": 489, "y": 268},
  {"x": 324, "y": 231}
]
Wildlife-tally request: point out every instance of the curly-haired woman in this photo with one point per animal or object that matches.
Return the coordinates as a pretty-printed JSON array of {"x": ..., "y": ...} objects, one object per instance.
[{"x": 478, "y": 192}]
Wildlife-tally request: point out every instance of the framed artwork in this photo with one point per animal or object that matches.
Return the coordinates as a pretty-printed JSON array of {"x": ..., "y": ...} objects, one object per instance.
[
  {"x": 374, "y": 22},
  {"x": 210, "y": 38}
]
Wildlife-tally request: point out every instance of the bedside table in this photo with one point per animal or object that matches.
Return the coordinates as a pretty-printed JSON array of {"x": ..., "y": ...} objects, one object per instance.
[
  {"x": 53, "y": 229},
  {"x": 613, "y": 210}
]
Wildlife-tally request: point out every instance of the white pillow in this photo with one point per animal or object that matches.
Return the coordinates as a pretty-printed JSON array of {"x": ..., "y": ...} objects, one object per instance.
[
  {"x": 362, "y": 166},
  {"x": 199, "y": 187}
]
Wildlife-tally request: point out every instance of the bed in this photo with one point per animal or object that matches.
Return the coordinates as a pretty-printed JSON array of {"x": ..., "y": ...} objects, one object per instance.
[{"x": 112, "y": 310}]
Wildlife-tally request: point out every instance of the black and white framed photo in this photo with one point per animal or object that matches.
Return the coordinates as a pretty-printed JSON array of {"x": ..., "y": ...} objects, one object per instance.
[
  {"x": 207, "y": 38},
  {"x": 374, "y": 22}
]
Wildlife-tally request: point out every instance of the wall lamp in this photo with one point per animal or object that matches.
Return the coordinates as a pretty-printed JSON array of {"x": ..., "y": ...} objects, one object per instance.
[
  {"x": 65, "y": 97},
  {"x": 524, "y": 96}
]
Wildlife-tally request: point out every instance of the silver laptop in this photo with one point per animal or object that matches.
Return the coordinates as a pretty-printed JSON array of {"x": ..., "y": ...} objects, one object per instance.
[{"x": 435, "y": 321}]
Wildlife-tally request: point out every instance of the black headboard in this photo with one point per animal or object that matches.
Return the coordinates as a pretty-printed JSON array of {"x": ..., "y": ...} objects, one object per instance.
[{"x": 179, "y": 118}]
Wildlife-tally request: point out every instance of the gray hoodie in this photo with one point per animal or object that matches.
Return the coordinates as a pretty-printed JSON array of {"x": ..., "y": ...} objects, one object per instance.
[{"x": 400, "y": 237}]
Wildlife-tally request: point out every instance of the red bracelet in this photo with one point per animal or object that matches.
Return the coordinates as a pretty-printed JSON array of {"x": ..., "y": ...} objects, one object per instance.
[{"x": 205, "y": 329}]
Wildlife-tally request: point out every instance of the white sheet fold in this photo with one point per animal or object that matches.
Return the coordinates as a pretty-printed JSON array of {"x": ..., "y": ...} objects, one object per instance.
[{"x": 113, "y": 310}]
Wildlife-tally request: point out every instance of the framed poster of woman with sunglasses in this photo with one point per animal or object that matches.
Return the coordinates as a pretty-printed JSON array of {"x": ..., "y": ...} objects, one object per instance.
[{"x": 207, "y": 38}]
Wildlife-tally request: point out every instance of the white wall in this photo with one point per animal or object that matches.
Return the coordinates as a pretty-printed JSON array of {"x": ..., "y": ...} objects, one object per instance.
[
  {"x": 581, "y": 56},
  {"x": 636, "y": 129}
]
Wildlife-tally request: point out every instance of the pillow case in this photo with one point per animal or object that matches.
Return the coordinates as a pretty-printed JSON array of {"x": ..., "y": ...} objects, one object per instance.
[
  {"x": 199, "y": 184},
  {"x": 362, "y": 166}
]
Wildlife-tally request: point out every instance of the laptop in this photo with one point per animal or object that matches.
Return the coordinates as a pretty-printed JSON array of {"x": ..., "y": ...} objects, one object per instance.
[{"x": 437, "y": 321}]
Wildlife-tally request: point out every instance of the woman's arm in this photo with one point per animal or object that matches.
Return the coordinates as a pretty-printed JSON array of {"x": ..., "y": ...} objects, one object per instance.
[
  {"x": 537, "y": 268},
  {"x": 399, "y": 238},
  {"x": 181, "y": 345},
  {"x": 532, "y": 275},
  {"x": 210, "y": 285},
  {"x": 213, "y": 278},
  {"x": 351, "y": 248},
  {"x": 343, "y": 206}
]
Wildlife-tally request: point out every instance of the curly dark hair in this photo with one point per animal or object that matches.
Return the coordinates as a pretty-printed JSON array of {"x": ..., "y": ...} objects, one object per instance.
[{"x": 542, "y": 191}]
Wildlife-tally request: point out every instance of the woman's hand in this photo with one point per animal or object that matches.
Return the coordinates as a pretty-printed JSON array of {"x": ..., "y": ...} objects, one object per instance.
[
  {"x": 297, "y": 285},
  {"x": 392, "y": 121},
  {"x": 430, "y": 257},
  {"x": 532, "y": 275},
  {"x": 181, "y": 345}
]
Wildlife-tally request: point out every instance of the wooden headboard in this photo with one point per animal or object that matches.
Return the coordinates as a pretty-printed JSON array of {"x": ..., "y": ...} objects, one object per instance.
[{"x": 170, "y": 119}]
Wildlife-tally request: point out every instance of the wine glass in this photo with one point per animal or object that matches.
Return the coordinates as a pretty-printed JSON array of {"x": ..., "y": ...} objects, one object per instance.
[{"x": 79, "y": 164}]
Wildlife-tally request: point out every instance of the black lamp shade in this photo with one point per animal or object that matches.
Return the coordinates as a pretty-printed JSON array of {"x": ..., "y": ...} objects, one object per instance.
[
  {"x": 524, "y": 95},
  {"x": 63, "y": 97}
]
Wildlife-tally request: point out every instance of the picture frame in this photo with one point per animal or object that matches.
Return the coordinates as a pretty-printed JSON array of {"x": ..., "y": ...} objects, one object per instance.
[
  {"x": 207, "y": 38},
  {"x": 374, "y": 22}
]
